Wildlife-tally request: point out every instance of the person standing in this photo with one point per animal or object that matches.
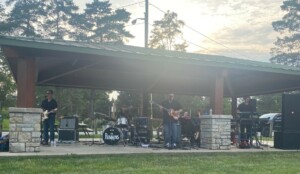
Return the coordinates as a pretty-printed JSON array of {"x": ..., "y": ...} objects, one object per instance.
[
  {"x": 49, "y": 105},
  {"x": 170, "y": 110}
]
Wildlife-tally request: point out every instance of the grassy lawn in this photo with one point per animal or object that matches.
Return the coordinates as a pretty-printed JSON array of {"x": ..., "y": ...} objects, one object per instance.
[{"x": 262, "y": 162}]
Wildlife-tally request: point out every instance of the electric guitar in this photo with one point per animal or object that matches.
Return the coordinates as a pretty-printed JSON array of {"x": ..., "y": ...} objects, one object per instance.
[
  {"x": 172, "y": 113},
  {"x": 45, "y": 114}
]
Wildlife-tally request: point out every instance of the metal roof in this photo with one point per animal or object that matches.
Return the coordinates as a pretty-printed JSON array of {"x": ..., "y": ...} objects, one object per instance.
[{"x": 121, "y": 67}]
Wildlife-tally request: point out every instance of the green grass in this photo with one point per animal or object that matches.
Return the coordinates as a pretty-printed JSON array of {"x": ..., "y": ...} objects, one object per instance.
[{"x": 211, "y": 163}]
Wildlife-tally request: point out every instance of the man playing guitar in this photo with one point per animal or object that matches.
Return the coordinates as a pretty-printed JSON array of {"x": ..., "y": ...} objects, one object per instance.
[{"x": 170, "y": 111}]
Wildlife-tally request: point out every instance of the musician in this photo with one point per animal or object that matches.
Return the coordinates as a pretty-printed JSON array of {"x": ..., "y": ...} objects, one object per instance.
[
  {"x": 245, "y": 106},
  {"x": 170, "y": 109},
  {"x": 124, "y": 112},
  {"x": 245, "y": 109},
  {"x": 50, "y": 105}
]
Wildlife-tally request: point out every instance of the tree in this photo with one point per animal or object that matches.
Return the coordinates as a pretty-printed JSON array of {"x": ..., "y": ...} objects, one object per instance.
[
  {"x": 59, "y": 14},
  {"x": 287, "y": 48},
  {"x": 269, "y": 103},
  {"x": 167, "y": 33},
  {"x": 7, "y": 84},
  {"x": 25, "y": 17},
  {"x": 3, "y": 17},
  {"x": 99, "y": 23}
]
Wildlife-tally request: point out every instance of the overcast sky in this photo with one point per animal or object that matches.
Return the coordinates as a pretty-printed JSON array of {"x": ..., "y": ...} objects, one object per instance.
[{"x": 243, "y": 27}]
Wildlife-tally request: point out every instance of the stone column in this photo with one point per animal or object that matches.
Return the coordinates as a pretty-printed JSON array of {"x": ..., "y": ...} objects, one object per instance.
[
  {"x": 24, "y": 129},
  {"x": 215, "y": 132}
]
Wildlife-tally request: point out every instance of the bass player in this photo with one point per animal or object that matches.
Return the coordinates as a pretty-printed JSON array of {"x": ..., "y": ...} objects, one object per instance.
[{"x": 171, "y": 110}]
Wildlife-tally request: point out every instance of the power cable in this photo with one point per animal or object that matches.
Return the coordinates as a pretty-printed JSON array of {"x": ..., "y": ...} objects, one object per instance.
[
  {"x": 130, "y": 4},
  {"x": 198, "y": 32}
]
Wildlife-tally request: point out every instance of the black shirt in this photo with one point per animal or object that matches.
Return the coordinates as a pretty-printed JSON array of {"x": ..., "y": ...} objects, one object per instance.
[
  {"x": 170, "y": 105},
  {"x": 49, "y": 105},
  {"x": 243, "y": 107}
]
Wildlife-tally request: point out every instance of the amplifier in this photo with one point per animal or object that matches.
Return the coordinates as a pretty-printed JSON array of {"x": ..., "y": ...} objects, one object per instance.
[
  {"x": 142, "y": 122},
  {"x": 68, "y": 135},
  {"x": 69, "y": 123}
]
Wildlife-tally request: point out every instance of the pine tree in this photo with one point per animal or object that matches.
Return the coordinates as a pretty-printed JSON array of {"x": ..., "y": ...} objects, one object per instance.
[
  {"x": 25, "y": 17},
  {"x": 167, "y": 33},
  {"x": 287, "y": 47},
  {"x": 59, "y": 14},
  {"x": 100, "y": 23}
]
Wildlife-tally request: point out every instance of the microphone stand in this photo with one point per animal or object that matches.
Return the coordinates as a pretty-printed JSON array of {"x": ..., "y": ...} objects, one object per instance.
[
  {"x": 170, "y": 128},
  {"x": 93, "y": 141}
]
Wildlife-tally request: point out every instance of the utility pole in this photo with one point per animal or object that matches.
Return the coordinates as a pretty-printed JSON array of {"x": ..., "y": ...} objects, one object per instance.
[
  {"x": 144, "y": 95},
  {"x": 146, "y": 22}
]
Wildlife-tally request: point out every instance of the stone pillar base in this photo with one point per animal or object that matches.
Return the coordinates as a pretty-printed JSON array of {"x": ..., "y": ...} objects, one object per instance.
[
  {"x": 215, "y": 132},
  {"x": 24, "y": 129}
]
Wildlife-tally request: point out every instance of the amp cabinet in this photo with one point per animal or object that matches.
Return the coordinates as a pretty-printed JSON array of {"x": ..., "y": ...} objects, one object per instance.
[{"x": 68, "y": 135}]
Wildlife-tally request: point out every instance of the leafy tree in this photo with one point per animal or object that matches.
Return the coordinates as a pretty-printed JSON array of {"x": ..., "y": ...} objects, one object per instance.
[
  {"x": 269, "y": 103},
  {"x": 25, "y": 17},
  {"x": 167, "y": 33},
  {"x": 7, "y": 84},
  {"x": 99, "y": 23},
  {"x": 130, "y": 100},
  {"x": 287, "y": 47},
  {"x": 59, "y": 14}
]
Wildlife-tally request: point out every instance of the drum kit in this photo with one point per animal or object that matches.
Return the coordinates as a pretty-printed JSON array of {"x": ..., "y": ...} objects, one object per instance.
[
  {"x": 121, "y": 131},
  {"x": 116, "y": 131}
]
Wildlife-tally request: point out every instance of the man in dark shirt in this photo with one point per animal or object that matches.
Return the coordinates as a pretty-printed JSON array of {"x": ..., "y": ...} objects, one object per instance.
[
  {"x": 245, "y": 106},
  {"x": 50, "y": 105},
  {"x": 245, "y": 110},
  {"x": 170, "y": 107}
]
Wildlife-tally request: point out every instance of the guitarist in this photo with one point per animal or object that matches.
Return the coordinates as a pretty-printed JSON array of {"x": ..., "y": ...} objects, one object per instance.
[
  {"x": 170, "y": 110},
  {"x": 50, "y": 105}
]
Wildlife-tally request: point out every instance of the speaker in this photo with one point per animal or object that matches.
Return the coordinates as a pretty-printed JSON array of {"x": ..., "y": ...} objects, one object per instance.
[
  {"x": 69, "y": 123},
  {"x": 287, "y": 140},
  {"x": 68, "y": 135},
  {"x": 291, "y": 112},
  {"x": 142, "y": 122},
  {"x": 278, "y": 140}
]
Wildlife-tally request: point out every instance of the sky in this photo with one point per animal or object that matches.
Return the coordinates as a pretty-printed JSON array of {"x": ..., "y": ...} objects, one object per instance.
[{"x": 234, "y": 28}]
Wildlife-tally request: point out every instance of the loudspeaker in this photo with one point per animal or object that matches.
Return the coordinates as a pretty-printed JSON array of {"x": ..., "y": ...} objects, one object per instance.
[
  {"x": 278, "y": 140},
  {"x": 287, "y": 140},
  {"x": 69, "y": 123},
  {"x": 68, "y": 135},
  {"x": 291, "y": 112},
  {"x": 142, "y": 122}
]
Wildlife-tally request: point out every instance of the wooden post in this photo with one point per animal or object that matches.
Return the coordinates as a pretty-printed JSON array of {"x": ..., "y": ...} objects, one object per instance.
[
  {"x": 233, "y": 106},
  {"x": 218, "y": 93},
  {"x": 26, "y": 78}
]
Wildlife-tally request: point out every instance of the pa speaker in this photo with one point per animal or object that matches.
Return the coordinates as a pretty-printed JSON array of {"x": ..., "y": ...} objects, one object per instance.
[
  {"x": 69, "y": 123},
  {"x": 291, "y": 112},
  {"x": 287, "y": 140}
]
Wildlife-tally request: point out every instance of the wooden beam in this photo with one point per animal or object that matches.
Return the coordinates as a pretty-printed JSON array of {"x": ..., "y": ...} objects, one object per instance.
[{"x": 26, "y": 78}]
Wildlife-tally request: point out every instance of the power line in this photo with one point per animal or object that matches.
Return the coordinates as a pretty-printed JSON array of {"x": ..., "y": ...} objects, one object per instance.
[
  {"x": 130, "y": 4},
  {"x": 198, "y": 32}
]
